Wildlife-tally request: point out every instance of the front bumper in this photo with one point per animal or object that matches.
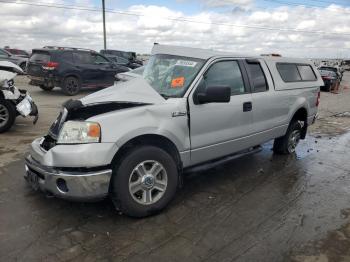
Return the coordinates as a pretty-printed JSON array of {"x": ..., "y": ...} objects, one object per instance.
[{"x": 73, "y": 185}]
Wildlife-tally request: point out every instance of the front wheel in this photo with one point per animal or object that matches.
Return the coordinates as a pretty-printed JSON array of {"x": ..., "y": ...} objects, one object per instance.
[
  {"x": 286, "y": 144},
  {"x": 144, "y": 181},
  {"x": 7, "y": 115}
]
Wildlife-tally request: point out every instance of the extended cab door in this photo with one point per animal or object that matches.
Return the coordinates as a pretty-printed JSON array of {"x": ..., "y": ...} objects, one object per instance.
[
  {"x": 269, "y": 108},
  {"x": 219, "y": 129}
]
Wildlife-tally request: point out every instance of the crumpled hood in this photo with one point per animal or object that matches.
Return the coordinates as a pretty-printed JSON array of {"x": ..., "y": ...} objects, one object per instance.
[{"x": 135, "y": 90}]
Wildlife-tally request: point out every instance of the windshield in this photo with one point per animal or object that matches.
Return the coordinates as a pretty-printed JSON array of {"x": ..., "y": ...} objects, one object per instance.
[{"x": 171, "y": 75}]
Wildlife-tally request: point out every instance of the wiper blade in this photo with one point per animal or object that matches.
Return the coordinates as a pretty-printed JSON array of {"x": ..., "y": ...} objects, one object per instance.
[{"x": 165, "y": 95}]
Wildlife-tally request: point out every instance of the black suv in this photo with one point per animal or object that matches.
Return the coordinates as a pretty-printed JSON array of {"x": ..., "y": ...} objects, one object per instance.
[
  {"x": 124, "y": 58},
  {"x": 71, "y": 69}
]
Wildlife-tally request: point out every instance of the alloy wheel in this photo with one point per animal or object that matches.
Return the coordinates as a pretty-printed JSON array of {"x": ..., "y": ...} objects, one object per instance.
[
  {"x": 293, "y": 141},
  {"x": 148, "y": 182}
]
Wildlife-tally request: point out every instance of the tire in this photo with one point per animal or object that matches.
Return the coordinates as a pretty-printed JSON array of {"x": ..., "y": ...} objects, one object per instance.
[
  {"x": 46, "y": 88},
  {"x": 7, "y": 115},
  {"x": 71, "y": 85},
  {"x": 286, "y": 144},
  {"x": 138, "y": 195}
]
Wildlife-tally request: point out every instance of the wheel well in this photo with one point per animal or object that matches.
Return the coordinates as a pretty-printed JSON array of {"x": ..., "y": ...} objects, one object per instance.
[
  {"x": 154, "y": 140},
  {"x": 301, "y": 115},
  {"x": 71, "y": 75}
]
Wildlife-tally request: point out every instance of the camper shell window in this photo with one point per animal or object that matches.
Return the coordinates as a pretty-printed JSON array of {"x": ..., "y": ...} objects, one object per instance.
[{"x": 292, "y": 72}]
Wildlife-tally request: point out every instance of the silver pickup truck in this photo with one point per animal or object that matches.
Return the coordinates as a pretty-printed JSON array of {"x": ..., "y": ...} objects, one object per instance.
[{"x": 190, "y": 107}]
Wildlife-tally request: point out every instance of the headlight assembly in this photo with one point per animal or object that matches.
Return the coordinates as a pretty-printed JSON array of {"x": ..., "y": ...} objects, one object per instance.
[{"x": 79, "y": 132}]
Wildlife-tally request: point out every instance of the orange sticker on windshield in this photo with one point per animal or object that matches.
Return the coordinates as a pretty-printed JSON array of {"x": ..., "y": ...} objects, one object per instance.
[{"x": 178, "y": 82}]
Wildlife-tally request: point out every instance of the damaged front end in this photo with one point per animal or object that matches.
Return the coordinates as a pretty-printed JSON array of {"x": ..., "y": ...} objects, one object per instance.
[
  {"x": 13, "y": 101},
  {"x": 22, "y": 100},
  {"x": 75, "y": 110}
]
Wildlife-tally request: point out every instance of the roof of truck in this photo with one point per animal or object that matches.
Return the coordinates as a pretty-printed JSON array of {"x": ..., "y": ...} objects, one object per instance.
[{"x": 208, "y": 53}]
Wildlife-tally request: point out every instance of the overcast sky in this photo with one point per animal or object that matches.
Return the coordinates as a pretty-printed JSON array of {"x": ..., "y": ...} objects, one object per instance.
[{"x": 320, "y": 29}]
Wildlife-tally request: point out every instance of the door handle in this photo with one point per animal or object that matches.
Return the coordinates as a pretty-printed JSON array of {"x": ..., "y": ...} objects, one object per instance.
[{"x": 247, "y": 106}]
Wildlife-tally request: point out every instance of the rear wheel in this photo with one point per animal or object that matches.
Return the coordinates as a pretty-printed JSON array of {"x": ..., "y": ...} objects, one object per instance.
[
  {"x": 144, "y": 181},
  {"x": 287, "y": 143},
  {"x": 71, "y": 86},
  {"x": 46, "y": 88},
  {"x": 7, "y": 115}
]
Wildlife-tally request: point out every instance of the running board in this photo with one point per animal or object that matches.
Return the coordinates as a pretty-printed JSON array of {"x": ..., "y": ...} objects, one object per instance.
[{"x": 220, "y": 161}]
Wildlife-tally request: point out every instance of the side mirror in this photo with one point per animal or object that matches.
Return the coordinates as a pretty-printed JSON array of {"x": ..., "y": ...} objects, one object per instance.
[{"x": 215, "y": 94}]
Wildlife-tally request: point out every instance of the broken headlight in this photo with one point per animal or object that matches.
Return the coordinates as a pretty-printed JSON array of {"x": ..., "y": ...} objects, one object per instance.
[{"x": 79, "y": 132}]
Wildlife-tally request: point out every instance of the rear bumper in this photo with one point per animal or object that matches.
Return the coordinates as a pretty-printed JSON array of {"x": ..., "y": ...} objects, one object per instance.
[
  {"x": 44, "y": 80},
  {"x": 73, "y": 185}
]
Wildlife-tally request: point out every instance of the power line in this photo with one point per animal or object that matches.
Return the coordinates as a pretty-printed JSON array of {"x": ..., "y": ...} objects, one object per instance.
[
  {"x": 307, "y": 5},
  {"x": 177, "y": 19}
]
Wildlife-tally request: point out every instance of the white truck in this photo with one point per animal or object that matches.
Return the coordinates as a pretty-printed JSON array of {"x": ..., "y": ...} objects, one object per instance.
[{"x": 190, "y": 107}]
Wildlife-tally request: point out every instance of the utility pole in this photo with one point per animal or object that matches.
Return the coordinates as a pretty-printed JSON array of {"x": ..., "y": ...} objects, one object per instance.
[{"x": 104, "y": 25}]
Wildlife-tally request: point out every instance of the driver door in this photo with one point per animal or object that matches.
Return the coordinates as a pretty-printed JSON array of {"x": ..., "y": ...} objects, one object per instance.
[{"x": 220, "y": 129}]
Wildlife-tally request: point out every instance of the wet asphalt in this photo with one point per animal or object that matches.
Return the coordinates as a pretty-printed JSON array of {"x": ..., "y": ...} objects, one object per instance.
[{"x": 261, "y": 207}]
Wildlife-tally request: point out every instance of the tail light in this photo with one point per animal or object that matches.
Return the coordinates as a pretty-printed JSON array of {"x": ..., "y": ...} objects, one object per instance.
[
  {"x": 318, "y": 98},
  {"x": 50, "y": 65}
]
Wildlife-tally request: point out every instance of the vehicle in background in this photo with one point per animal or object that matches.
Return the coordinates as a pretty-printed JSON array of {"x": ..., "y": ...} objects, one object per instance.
[
  {"x": 336, "y": 69},
  {"x": 346, "y": 65},
  {"x": 13, "y": 101},
  {"x": 71, "y": 69},
  {"x": 192, "y": 108},
  {"x": 123, "y": 62},
  {"x": 126, "y": 76},
  {"x": 18, "y": 52},
  {"x": 130, "y": 56},
  {"x": 330, "y": 79},
  {"x": 18, "y": 60}
]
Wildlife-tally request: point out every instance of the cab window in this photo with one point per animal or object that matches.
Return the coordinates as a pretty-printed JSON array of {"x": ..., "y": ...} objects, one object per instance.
[{"x": 224, "y": 73}]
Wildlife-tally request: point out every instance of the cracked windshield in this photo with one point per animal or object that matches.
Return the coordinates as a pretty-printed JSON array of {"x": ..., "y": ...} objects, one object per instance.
[{"x": 171, "y": 75}]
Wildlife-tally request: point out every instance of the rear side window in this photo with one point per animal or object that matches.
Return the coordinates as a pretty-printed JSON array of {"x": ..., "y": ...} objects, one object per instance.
[
  {"x": 67, "y": 57},
  {"x": 257, "y": 77},
  {"x": 306, "y": 73},
  {"x": 82, "y": 58},
  {"x": 289, "y": 72},
  {"x": 40, "y": 57}
]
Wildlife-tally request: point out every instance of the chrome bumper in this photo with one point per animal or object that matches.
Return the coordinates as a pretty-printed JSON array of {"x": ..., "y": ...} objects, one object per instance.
[{"x": 74, "y": 185}]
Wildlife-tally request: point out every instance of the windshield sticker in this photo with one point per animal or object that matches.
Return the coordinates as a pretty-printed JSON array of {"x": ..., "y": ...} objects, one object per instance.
[
  {"x": 178, "y": 82},
  {"x": 186, "y": 63}
]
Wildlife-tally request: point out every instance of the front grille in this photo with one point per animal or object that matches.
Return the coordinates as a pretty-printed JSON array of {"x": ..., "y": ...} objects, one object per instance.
[{"x": 48, "y": 143}]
